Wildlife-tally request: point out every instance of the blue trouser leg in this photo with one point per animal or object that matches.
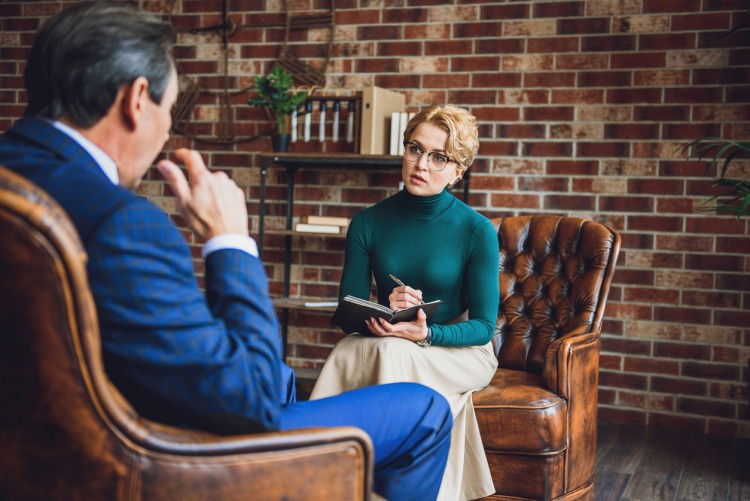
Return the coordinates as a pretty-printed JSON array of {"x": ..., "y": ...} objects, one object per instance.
[{"x": 409, "y": 425}]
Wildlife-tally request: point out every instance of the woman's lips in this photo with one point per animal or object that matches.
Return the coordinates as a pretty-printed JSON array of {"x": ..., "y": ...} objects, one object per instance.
[{"x": 417, "y": 178}]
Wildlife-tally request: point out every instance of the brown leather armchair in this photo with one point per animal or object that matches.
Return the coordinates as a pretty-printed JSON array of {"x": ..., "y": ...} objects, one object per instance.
[
  {"x": 67, "y": 433},
  {"x": 538, "y": 415}
]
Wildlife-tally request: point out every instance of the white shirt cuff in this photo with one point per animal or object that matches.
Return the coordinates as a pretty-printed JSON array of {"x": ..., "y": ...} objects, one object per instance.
[{"x": 243, "y": 243}]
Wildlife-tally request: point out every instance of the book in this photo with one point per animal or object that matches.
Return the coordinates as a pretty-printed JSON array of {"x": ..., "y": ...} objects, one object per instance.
[
  {"x": 320, "y": 304},
  {"x": 317, "y": 228},
  {"x": 395, "y": 127},
  {"x": 377, "y": 106},
  {"x": 328, "y": 220},
  {"x": 403, "y": 120},
  {"x": 352, "y": 312}
]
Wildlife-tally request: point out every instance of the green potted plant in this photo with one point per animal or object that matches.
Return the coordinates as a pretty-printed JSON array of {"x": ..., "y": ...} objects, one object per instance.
[
  {"x": 276, "y": 95},
  {"x": 719, "y": 153}
]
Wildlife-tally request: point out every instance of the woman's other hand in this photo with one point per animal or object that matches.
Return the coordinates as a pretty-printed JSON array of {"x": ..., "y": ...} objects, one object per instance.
[{"x": 412, "y": 331}]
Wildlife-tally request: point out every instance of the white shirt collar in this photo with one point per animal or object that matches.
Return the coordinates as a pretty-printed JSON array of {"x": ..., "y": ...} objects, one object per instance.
[{"x": 104, "y": 161}]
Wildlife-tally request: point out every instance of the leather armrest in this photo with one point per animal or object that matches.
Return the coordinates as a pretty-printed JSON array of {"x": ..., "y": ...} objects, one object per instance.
[{"x": 560, "y": 357}]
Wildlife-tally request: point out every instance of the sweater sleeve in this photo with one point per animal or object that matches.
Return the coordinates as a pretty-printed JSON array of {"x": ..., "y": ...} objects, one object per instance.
[
  {"x": 356, "y": 277},
  {"x": 482, "y": 290}
]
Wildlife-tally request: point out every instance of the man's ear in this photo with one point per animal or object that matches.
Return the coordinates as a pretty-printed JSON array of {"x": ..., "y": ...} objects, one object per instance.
[{"x": 134, "y": 101}]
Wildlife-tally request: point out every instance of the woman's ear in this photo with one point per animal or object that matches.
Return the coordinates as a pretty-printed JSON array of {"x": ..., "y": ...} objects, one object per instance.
[{"x": 459, "y": 175}]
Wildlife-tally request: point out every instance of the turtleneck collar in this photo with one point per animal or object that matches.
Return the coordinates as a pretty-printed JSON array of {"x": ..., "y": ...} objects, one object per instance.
[{"x": 423, "y": 208}]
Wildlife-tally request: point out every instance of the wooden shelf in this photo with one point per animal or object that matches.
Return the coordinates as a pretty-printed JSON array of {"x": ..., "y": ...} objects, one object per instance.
[
  {"x": 298, "y": 303},
  {"x": 305, "y": 233}
]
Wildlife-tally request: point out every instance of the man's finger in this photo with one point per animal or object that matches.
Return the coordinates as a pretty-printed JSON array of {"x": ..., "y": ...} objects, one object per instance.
[
  {"x": 176, "y": 179},
  {"x": 193, "y": 163}
]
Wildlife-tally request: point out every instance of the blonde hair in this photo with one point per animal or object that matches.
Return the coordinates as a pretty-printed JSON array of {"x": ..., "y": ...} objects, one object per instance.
[{"x": 460, "y": 125}]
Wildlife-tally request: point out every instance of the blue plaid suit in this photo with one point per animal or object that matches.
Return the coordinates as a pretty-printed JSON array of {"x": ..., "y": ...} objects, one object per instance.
[{"x": 209, "y": 360}]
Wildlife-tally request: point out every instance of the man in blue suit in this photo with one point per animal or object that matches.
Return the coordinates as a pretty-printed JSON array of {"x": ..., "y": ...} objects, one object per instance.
[{"x": 101, "y": 81}]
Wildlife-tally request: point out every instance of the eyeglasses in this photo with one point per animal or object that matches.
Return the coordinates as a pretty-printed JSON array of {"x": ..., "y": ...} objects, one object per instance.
[{"x": 435, "y": 160}]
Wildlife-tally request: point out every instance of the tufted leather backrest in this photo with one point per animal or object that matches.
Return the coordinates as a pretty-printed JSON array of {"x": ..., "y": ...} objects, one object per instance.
[{"x": 555, "y": 274}]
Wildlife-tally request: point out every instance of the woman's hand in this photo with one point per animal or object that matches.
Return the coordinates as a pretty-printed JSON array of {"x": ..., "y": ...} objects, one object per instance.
[
  {"x": 403, "y": 297},
  {"x": 412, "y": 331}
]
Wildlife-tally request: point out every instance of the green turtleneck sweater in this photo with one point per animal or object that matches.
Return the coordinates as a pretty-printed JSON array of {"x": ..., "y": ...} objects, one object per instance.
[{"x": 436, "y": 244}]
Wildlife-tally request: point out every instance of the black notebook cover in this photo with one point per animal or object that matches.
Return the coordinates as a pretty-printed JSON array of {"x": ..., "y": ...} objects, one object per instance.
[{"x": 352, "y": 312}]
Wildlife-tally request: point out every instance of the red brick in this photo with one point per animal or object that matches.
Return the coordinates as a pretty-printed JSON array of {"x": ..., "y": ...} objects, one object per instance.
[
  {"x": 684, "y": 243},
  {"x": 390, "y": 81},
  {"x": 379, "y": 65},
  {"x": 701, "y": 22},
  {"x": 544, "y": 113},
  {"x": 635, "y": 95},
  {"x": 569, "y": 202},
  {"x": 515, "y": 201},
  {"x": 682, "y": 315},
  {"x": 499, "y": 147},
  {"x": 476, "y": 63},
  {"x": 536, "y": 131},
  {"x": 714, "y": 225},
  {"x": 639, "y": 60},
  {"x": 583, "y": 25},
  {"x": 705, "y": 407},
  {"x": 381, "y": 32},
  {"x": 655, "y": 223},
  {"x": 399, "y": 49},
  {"x": 549, "y": 79},
  {"x": 456, "y": 80},
  {"x": 678, "y": 386},
  {"x": 499, "y": 46},
  {"x": 623, "y": 380},
  {"x": 670, "y": 6},
  {"x": 651, "y": 295},
  {"x": 496, "y": 80},
  {"x": 552, "y": 44},
  {"x": 583, "y": 61},
  {"x": 682, "y": 351},
  {"x": 611, "y": 149},
  {"x": 740, "y": 245},
  {"x": 622, "y": 417},
  {"x": 503, "y": 12},
  {"x": 661, "y": 113},
  {"x": 609, "y": 43},
  {"x": 626, "y": 204},
  {"x": 477, "y": 30},
  {"x": 447, "y": 47},
  {"x": 559, "y": 9},
  {"x": 547, "y": 149},
  {"x": 656, "y": 186},
  {"x": 651, "y": 366},
  {"x": 572, "y": 167},
  {"x": 542, "y": 183},
  {"x": 631, "y": 131},
  {"x": 721, "y": 76},
  {"x": 410, "y": 15},
  {"x": 730, "y": 317},
  {"x": 692, "y": 95},
  {"x": 670, "y": 41}
]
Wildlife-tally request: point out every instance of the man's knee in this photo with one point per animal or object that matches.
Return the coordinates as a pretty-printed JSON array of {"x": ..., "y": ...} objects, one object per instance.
[{"x": 435, "y": 410}]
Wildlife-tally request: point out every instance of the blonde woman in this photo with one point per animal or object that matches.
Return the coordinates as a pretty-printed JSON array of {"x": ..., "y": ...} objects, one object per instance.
[{"x": 438, "y": 248}]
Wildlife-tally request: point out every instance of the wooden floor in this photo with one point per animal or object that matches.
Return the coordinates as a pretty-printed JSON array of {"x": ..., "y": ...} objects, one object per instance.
[{"x": 655, "y": 465}]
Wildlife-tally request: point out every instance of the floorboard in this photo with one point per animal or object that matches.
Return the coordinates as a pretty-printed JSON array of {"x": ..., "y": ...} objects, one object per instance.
[{"x": 635, "y": 464}]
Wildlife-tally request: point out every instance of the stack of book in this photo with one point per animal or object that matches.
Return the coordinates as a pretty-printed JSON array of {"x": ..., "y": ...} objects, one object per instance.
[{"x": 322, "y": 224}]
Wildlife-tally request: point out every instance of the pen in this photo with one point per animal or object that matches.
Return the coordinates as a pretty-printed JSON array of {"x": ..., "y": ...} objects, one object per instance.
[{"x": 399, "y": 282}]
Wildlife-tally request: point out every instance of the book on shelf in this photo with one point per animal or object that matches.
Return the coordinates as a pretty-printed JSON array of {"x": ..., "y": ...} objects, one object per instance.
[
  {"x": 317, "y": 228},
  {"x": 328, "y": 220},
  {"x": 352, "y": 312},
  {"x": 377, "y": 106},
  {"x": 320, "y": 304}
]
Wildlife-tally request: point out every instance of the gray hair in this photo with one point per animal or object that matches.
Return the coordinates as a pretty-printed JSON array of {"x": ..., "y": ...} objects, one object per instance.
[{"x": 83, "y": 55}]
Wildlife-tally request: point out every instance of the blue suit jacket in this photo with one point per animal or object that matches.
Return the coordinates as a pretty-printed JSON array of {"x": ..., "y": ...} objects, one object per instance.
[{"x": 177, "y": 355}]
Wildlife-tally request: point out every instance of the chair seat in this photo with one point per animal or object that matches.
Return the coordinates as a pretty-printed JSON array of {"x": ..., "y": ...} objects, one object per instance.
[{"x": 516, "y": 413}]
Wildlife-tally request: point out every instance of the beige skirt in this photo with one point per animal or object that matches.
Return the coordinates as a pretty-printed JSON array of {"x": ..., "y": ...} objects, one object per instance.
[{"x": 455, "y": 372}]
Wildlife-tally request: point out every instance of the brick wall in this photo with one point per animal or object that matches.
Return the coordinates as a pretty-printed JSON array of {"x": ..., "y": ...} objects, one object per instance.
[{"x": 582, "y": 106}]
